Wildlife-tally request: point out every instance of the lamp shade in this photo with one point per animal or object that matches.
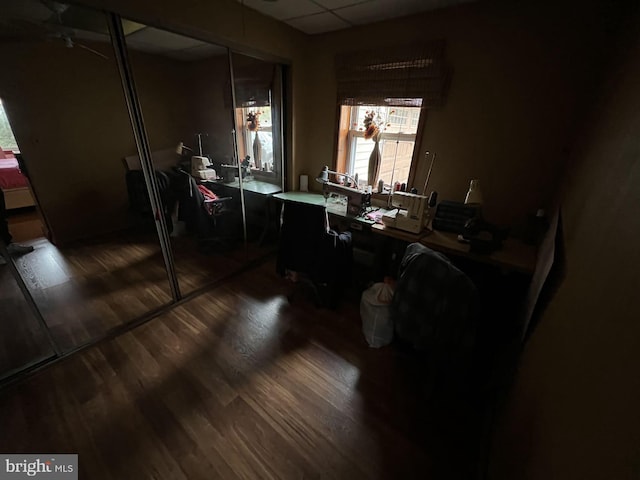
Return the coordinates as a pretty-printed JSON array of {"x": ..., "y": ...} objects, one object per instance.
[
  {"x": 474, "y": 195},
  {"x": 323, "y": 177}
]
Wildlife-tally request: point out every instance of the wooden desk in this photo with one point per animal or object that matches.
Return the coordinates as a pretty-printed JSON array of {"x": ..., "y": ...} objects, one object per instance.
[
  {"x": 301, "y": 197},
  {"x": 253, "y": 186},
  {"x": 334, "y": 206},
  {"x": 513, "y": 256},
  {"x": 257, "y": 196}
]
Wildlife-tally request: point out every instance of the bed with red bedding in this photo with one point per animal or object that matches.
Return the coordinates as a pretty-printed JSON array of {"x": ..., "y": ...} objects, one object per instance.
[{"x": 13, "y": 183}]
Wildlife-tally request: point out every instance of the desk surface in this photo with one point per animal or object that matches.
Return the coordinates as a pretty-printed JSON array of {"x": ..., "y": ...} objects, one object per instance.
[
  {"x": 514, "y": 255},
  {"x": 335, "y": 206},
  {"x": 254, "y": 186},
  {"x": 301, "y": 197}
]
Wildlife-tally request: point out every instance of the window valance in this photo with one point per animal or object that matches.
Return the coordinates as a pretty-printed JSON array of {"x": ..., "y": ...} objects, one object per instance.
[{"x": 394, "y": 75}]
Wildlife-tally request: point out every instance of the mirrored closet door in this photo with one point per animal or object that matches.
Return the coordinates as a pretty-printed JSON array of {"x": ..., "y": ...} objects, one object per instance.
[
  {"x": 99, "y": 265},
  {"x": 185, "y": 92},
  {"x": 24, "y": 339},
  {"x": 257, "y": 117}
]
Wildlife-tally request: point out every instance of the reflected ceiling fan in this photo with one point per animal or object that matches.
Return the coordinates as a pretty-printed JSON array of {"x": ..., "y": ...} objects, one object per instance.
[
  {"x": 32, "y": 27},
  {"x": 66, "y": 34}
]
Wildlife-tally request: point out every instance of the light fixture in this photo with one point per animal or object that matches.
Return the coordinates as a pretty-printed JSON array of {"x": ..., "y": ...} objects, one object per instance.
[
  {"x": 324, "y": 176},
  {"x": 180, "y": 149}
]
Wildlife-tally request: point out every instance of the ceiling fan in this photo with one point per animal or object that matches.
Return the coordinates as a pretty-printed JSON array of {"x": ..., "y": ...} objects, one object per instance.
[{"x": 26, "y": 27}]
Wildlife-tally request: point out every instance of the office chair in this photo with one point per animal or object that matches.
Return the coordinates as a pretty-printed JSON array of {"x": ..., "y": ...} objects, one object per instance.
[
  {"x": 311, "y": 254},
  {"x": 206, "y": 218},
  {"x": 139, "y": 202},
  {"x": 434, "y": 308}
]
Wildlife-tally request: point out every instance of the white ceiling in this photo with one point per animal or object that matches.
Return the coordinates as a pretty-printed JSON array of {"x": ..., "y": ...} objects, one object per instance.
[
  {"x": 179, "y": 47},
  {"x": 319, "y": 16},
  {"x": 34, "y": 18}
]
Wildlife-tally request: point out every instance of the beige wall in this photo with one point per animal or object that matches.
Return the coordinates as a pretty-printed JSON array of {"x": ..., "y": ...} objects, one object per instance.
[
  {"x": 520, "y": 70},
  {"x": 522, "y": 73},
  {"x": 574, "y": 412},
  {"x": 70, "y": 119},
  {"x": 66, "y": 109}
]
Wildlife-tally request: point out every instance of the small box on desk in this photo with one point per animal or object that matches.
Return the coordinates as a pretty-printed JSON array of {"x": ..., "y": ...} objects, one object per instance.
[{"x": 452, "y": 216}]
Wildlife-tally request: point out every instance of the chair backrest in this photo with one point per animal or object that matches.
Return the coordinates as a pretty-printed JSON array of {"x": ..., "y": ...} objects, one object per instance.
[
  {"x": 302, "y": 233},
  {"x": 434, "y": 303},
  {"x": 137, "y": 190}
]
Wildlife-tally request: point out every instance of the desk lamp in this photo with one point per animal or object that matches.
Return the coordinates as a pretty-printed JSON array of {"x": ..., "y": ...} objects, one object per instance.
[
  {"x": 324, "y": 176},
  {"x": 181, "y": 148}
]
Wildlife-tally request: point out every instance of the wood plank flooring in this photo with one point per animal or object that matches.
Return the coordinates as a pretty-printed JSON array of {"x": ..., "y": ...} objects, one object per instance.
[
  {"x": 239, "y": 383},
  {"x": 25, "y": 224},
  {"x": 86, "y": 289}
]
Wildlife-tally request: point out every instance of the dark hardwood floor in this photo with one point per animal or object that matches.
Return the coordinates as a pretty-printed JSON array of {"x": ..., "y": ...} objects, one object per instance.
[
  {"x": 239, "y": 383},
  {"x": 86, "y": 289}
]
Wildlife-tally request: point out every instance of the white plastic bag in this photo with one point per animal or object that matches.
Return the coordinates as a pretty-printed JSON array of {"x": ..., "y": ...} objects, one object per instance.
[{"x": 377, "y": 324}]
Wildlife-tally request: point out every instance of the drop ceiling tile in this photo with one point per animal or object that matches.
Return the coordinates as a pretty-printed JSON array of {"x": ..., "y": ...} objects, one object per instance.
[
  {"x": 318, "y": 23},
  {"x": 284, "y": 9},
  {"x": 162, "y": 39},
  {"x": 331, "y": 4},
  {"x": 144, "y": 47},
  {"x": 197, "y": 53},
  {"x": 377, "y": 10},
  {"x": 33, "y": 10},
  {"x": 92, "y": 36}
]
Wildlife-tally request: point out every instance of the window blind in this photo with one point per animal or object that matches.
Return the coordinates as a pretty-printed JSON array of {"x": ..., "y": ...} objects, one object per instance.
[
  {"x": 253, "y": 84},
  {"x": 394, "y": 75}
]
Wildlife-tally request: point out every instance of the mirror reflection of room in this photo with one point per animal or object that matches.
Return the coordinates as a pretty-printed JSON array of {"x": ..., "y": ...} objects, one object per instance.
[
  {"x": 92, "y": 268},
  {"x": 186, "y": 97}
]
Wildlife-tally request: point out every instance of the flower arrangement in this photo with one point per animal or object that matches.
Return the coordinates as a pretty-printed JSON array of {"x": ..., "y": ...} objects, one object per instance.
[
  {"x": 253, "y": 120},
  {"x": 375, "y": 124}
]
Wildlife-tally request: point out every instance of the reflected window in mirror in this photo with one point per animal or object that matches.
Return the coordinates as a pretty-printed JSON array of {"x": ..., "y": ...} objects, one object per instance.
[
  {"x": 258, "y": 116},
  {"x": 255, "y": 125}
]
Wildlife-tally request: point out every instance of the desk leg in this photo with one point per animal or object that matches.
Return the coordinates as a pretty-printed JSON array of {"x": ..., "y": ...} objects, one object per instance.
[
  {"x": 271, "y": 211},
  {"x": 389, "y": 252}
]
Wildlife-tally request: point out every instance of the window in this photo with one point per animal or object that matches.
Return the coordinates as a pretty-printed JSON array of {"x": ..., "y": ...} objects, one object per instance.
[
  {"x": 400, "y": 81},
  {"x": 396, "y": 142},
  {"x": 7, "y": 140},
  {"x": 262, "y": 157}
]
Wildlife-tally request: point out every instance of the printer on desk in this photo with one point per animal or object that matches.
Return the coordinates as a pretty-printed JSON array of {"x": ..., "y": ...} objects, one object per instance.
[{"x": 409, "y": 212}]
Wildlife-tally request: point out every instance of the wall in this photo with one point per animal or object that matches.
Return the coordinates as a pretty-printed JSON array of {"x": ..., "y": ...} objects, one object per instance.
[
  {"x": 70, "y": 119},
  {"x": 520, "y": 71},
  {"x": 573, "y": 413}
]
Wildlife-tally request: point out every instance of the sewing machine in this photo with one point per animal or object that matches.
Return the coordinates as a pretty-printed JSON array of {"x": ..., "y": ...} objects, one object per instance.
[
  {"x": 200, "y": 168},
  {"x": 408, "y": 214},
  {"x": 357, "y": 200}
]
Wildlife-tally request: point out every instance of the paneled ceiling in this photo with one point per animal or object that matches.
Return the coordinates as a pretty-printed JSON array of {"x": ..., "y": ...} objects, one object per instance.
[
  {"x": 46, "y": 19},
  {"x": 320, "y": 16},
  {"x": 29, "y": 20}
]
